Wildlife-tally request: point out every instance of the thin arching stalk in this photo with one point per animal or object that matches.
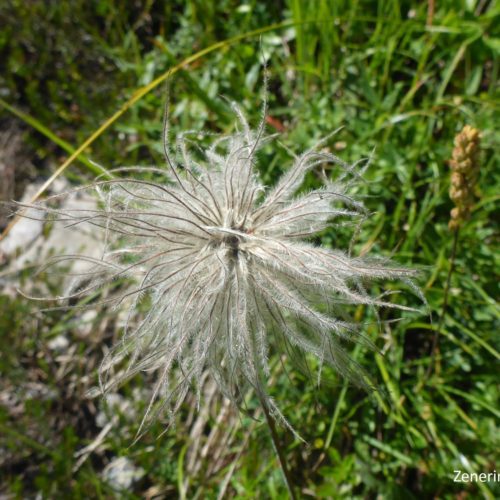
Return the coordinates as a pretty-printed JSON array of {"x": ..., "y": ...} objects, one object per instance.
[
  {"x": 277, "y": 446},
  {"x": 437, "y": 331}
]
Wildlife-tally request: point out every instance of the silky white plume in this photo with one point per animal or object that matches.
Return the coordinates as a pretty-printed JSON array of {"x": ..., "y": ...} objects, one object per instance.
[{"x": 227, "y": 268}]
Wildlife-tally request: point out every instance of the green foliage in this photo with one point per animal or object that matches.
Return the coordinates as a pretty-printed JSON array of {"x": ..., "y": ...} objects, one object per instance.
[{"x": 400, "y": 88}]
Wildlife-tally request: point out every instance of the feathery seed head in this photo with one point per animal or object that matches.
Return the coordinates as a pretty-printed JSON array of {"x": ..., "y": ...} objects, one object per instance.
[{"x": 228, "y": 269}]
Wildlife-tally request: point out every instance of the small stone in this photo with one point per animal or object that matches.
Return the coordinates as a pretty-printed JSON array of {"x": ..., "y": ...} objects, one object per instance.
[
  {"x": 122, "y": 474},
  {"x": 86, "y": 323},
  {"x": 59, "y": 343}
]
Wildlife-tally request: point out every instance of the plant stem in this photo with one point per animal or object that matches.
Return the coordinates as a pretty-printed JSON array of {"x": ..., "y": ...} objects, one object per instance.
[
  {"x": 277, "y": 446},
  {"x": 437, "y": 331},
  {"x": 430, "y": 12}
]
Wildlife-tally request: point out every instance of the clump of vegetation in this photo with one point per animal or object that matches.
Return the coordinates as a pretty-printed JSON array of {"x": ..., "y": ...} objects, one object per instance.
[{"x": 405, "y": 87}]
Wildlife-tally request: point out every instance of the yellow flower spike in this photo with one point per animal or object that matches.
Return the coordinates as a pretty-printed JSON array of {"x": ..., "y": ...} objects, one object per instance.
[{"x": 464, "y": 165}]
